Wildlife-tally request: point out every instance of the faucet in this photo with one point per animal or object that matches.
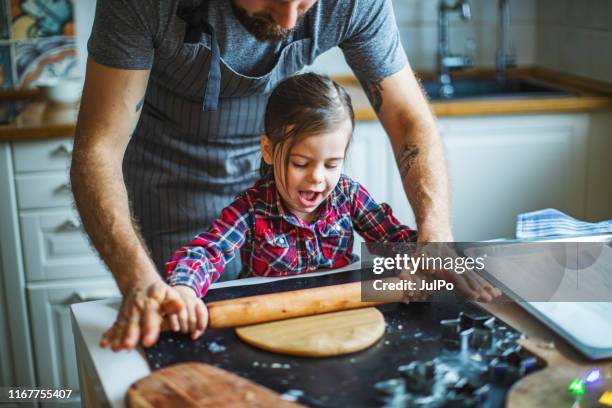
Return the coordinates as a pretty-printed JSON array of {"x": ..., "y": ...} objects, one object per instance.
[
  {"x": 447, "y": 61},
  {"x": 505, "y": 56}
]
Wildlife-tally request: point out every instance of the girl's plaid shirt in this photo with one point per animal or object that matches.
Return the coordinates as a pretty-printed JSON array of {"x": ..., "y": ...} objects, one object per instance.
[{"x": 274, "y": 242}]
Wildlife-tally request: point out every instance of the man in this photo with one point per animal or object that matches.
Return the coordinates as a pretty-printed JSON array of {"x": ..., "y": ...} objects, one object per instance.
[{"x": 172, "y": 112}]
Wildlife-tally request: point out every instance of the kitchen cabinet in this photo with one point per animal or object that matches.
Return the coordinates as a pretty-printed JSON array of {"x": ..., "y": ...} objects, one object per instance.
[
  {"x": 501, "y": 166},
  {"x": 53, "y": 338},
  {"x": 57, "y": 246},
  {"x": 50, "y": 260},
  {"x": 6, "y": 359},
  {"x": 13, "y": 277}
]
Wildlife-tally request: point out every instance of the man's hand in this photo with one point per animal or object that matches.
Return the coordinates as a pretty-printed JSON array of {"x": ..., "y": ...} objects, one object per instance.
[
  {"x": 416, "y": 295},
  {"x": 193, "y": 318},
  {"x": 141, "y": 315},
  {"x": 469, "y": 283}
]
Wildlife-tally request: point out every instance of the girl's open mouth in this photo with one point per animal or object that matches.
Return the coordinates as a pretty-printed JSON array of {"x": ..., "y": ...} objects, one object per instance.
[{"x": 308, "y": 198}]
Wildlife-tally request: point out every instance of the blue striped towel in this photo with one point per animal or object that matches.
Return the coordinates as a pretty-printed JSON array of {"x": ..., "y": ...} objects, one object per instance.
[{"x": 553, "y": 223}]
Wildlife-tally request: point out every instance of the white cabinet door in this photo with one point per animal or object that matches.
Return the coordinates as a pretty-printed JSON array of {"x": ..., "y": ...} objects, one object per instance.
[
  {"x": 53, "y": 339},
  {"x": 502, "y": 166},
  {"x": 371, "y": 162},
  {"x": 6, "y": 358}
]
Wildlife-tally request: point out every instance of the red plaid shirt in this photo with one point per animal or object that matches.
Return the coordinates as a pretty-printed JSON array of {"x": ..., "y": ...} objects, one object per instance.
[{"x": 274, "y": 242}]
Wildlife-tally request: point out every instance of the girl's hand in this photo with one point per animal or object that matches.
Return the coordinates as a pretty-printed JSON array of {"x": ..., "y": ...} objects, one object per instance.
[{"x": 193, "y": 317}]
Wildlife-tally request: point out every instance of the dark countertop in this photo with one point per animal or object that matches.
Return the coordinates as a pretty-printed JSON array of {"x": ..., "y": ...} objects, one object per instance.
[{"x": 412, "y": 334}]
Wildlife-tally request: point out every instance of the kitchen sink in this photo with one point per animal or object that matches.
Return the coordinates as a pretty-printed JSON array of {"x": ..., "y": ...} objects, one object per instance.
[{"x": 491, "y": 88}]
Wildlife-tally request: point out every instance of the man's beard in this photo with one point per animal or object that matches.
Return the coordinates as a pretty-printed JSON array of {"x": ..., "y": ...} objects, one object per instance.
[{"x": 261, "y": 25}]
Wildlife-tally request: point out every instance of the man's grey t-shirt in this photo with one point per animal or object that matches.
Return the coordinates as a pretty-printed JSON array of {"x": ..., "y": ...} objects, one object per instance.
[
  {"x": 184, "y": 164},
  {"x": 132, "y": 33}
]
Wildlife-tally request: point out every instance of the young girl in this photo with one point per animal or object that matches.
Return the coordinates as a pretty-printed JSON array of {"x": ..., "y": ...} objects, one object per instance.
[{"x": 300, "y": 216}]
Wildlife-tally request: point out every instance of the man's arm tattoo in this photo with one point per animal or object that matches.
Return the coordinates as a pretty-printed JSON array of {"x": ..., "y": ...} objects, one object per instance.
[
  {"x": 139, "y": 105},
  {"x": 373, "y": 90},
  {"x": 406, "y": 157}
]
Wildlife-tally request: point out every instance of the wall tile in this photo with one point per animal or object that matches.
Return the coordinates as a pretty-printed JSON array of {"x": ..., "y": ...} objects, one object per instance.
[
  {"x": 525, "y": 43},
  {"x": 415, "y": 11},
  {"x": 548, "y": 46},
  {"x": 417, "y": 20},
  {"x": 544, "y": 54},
  {"x": 41, "y": 18},
  {"x": 575, "y": 36},
  {"x": 4, "y": 20},
  {"x": 601, "y": 58},
  {"x": 481, "y": 35},
  {"x": 577, "y": 52},
  {"x": 552, "y": 11},
  {"x": 578, "y": 14},
  {"x": 45, "y": 59},
  {"x": 599, "y": 14},
  {"x": 6, "y": 68},
  {"x": 484, "y": 11},
  {"x": 420, "y": 44},
  {"x": 522, "y": 11}
]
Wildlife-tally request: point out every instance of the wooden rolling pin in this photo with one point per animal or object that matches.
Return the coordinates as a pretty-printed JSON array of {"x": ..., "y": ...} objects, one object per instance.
[{"x": 283, "y": 305}]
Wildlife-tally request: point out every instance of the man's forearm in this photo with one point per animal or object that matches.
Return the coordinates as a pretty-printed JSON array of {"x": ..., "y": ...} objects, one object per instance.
[
  {"x": 422, "y": 165},
  {"x": 102, "y": 201}
]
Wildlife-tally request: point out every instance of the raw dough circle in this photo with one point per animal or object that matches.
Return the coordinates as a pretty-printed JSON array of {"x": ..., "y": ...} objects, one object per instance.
[{"x": 328, "y": 334}]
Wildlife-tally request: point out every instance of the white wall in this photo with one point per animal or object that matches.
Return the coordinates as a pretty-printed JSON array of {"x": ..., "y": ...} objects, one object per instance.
[
  {"x": 417, "y": 22},
  {"x": 576, "y": 37}
]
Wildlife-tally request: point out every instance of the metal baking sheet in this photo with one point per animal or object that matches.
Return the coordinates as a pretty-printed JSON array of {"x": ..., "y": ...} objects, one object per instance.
[{"x": 586, "y": 325}]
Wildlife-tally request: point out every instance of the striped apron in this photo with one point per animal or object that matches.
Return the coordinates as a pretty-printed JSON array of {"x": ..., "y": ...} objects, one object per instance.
[{"x": 186, "y": 161}]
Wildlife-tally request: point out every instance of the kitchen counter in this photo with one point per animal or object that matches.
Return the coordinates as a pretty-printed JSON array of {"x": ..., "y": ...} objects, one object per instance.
[
  {"x": 106, "y": 376},
  {"x": 589, "y": 95},
  {"x": 41, "y": 120}
]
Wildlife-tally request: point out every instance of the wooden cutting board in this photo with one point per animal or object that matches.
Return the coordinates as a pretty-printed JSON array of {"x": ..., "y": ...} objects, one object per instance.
[
  {"x": 190, "y": 385},
  {"x": 329, "y": 334},
  {"x": 549, "y": 387}
]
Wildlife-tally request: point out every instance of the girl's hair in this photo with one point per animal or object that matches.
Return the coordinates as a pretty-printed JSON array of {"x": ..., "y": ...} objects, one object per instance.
[{"x": 300, "y": 106}]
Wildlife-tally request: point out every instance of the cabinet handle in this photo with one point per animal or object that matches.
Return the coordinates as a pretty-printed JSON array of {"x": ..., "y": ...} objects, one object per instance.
[
  {"x": 65, "y": 149},
  {"x": 64, "y": 188},
  {"x": 79, "y": 297},
  {"x": 70, "y": 225}
]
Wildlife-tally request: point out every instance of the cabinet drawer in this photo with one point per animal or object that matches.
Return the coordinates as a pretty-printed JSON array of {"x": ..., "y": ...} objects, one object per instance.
[
  {"x": 43, "y": 190},
  {"x": 42, "y": 156},
  {"x": 55, "y": 246},
  {"x": 56, "y": 365}
]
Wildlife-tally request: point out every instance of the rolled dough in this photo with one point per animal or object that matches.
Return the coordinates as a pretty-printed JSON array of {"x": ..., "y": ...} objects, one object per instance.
[{"x": 328, "y": 334}]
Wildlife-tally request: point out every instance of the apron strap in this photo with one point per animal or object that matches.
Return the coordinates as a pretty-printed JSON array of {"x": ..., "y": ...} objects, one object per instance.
[
  {"x": 196, "y": 19},
  {"x": 213, "y": 84}
]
